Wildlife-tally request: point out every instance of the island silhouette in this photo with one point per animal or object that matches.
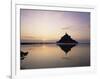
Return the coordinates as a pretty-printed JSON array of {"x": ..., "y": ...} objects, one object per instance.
[
  {"x": 66, "y": 39},
  {"x": 66, "y": 43}
]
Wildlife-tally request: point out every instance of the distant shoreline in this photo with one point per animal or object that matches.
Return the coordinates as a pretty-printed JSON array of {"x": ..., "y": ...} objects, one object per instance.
[{"x": 29, "y": 43}]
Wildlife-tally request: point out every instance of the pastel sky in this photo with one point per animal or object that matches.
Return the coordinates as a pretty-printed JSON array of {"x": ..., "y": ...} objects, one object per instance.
[{"x": 46, "y": 25}]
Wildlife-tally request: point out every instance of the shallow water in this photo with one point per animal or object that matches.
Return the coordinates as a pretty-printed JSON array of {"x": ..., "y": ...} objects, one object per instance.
[{"x": 52, "y": 56}]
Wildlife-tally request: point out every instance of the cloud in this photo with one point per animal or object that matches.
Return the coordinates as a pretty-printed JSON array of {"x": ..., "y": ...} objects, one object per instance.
[{"x": 65, "y": 28}]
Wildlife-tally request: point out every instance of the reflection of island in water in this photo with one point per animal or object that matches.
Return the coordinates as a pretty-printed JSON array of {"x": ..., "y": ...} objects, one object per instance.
[
  {"x": 66, "y": 48},
  {"x": 23, "y": 55}
]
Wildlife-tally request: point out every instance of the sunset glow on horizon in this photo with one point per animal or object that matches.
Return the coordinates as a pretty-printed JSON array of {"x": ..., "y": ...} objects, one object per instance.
[{"x": 46, "y": 25}]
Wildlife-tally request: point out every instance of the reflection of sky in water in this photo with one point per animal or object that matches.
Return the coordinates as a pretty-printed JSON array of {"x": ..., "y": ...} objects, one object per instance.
[{"x": 51, "y": 55}]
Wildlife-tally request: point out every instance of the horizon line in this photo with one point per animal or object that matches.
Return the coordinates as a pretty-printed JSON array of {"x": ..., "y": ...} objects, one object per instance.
[{"x": 23, "y": 43}]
